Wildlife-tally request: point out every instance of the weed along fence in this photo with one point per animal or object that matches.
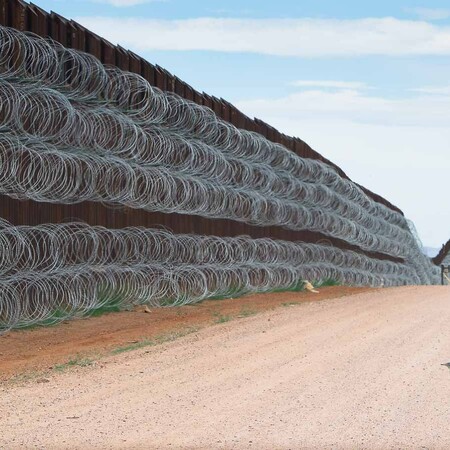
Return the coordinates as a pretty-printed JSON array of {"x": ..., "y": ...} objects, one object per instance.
[{"x": 122, "y": 185}]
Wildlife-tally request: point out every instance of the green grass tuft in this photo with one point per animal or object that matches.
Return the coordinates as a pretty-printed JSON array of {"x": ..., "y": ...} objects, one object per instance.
[
  {"x": 326, "y": 282},
  {"x": 134, "y": 346},
  {"x": 247, "y": 313},
  {"x": 155, "y": 341},
  {"x": 221, "y": 318},
  {"x": 80, "y": 362}
]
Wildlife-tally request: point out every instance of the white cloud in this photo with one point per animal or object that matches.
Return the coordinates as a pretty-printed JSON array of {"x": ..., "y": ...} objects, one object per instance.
[
  {"x": 419, "y": 115},
  {"x": 430, "y": 13},
  {"x": 283, "y": 37},
  {"x": 433, "y": 90},
  {"x": 420, "y": 110},
  {"x": 397, "y": 148},
  {"x": 333, "y": 84}
]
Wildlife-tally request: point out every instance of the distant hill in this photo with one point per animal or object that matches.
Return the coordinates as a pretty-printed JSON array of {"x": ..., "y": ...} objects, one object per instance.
[{"x": 431, "y": 251}]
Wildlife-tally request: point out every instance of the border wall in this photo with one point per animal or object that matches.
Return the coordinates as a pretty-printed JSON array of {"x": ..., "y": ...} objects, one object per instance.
[
  {"x": 121, "y": 185},
  {"x": 29, "y": 17}
]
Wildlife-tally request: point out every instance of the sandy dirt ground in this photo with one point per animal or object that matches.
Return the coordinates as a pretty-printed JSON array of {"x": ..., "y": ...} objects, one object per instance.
[
  {"x": 39, "y": 349},
  {"x": 360, "y": 371}
]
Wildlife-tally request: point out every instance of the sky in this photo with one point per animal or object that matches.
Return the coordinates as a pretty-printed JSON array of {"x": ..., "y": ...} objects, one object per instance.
[{"x": 366, "y": 84}]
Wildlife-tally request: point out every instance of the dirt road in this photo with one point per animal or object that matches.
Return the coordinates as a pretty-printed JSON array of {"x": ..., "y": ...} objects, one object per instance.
[
  {"x": 39, "y": 348},
  {"x": 356, "y": 372}
]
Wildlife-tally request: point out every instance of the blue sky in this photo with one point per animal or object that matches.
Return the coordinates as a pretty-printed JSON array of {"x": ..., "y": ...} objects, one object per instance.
[
  {"x": 367, "y": 84},
  {"x": 181, "y": 9}
]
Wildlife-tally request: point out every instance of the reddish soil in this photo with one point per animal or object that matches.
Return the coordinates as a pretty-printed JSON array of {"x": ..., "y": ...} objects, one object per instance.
[
  {"x": 41, "y": 348},
  {"x": 365, "y": 371}
]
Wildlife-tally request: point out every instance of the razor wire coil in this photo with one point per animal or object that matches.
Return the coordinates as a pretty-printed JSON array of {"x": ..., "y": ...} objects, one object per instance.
[
  {"x": 75, "y": 268},
  {"x": 74, "y": 130}
]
